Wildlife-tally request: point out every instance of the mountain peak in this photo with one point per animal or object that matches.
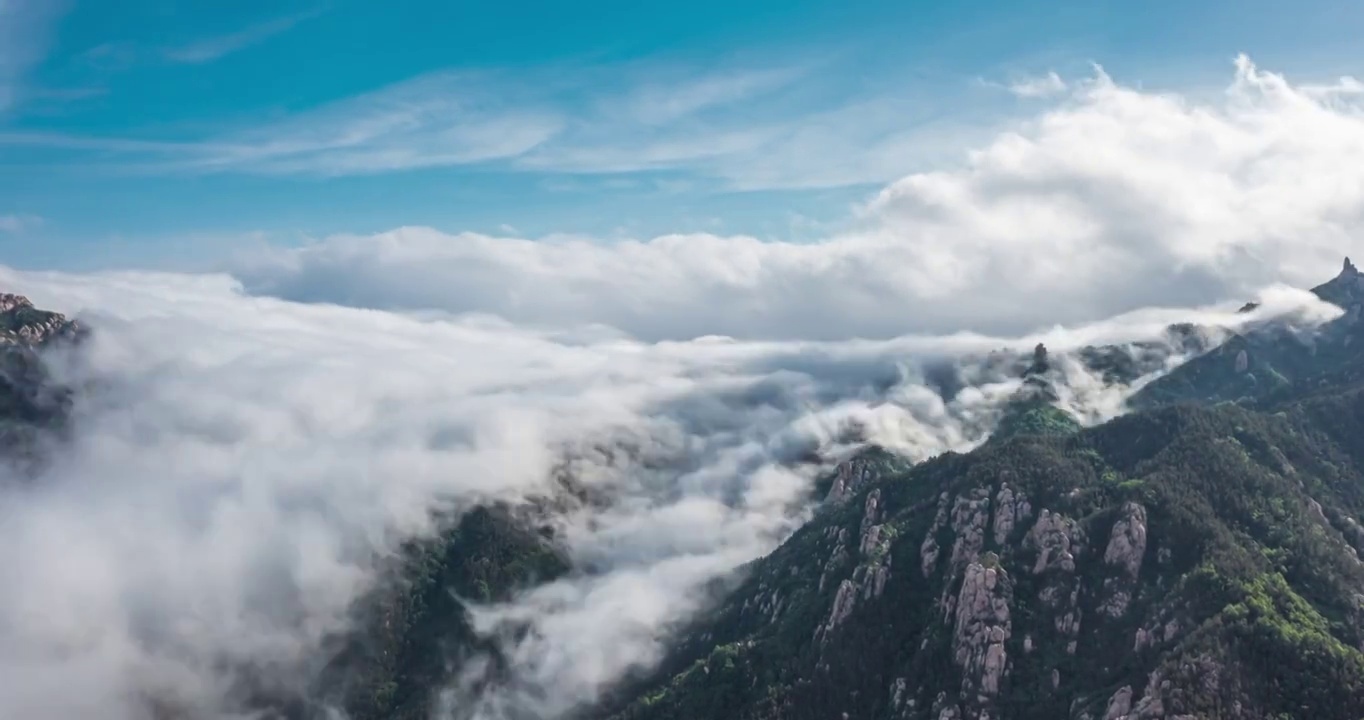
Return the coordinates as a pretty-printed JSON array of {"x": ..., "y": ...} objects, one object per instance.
[
  {"x": 1349, "y": 269},
  {"x": 10, "y": 301},
  {"x": 23, "y": 324},
  {"x": 1040, "y": 365}
]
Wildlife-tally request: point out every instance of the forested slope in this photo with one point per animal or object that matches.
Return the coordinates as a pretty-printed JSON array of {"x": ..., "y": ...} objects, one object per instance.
[{"x": 1199, "y": 558}]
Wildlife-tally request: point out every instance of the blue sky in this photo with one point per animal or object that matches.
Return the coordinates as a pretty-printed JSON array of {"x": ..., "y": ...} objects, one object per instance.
[{"x": 154, "y": 130}]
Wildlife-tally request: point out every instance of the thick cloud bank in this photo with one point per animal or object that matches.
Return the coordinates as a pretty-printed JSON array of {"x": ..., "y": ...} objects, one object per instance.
[
  {"x": 243, "y": 461},
  {"x": 1114, "y": 199}
]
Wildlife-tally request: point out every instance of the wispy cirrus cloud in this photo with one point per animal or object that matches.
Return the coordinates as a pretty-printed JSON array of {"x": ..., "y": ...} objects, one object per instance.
[
  {"x": 1038, "y": 86},
  {"x": 212, "y": 48},
  {"x": 792, "y": 125},
  {"x": 117, "y": 56},
  {"x": 24, "y": 33},
  {"x": 582, "y": 120},
  {"x": 661, "y": 101}
]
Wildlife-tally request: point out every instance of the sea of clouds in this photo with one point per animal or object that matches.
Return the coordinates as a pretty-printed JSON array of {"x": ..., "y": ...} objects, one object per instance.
[{"x": 259, "y": 439}]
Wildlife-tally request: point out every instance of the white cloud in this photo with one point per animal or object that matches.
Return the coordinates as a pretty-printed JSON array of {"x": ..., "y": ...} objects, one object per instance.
[
  {"x": 439, "y": 120},
  {"x": 209, "y": 49},
  {"x": 1038, "y": 87},
  {"x": 243, "y": 459},
  {"x": 657, "y": 101},
  {"x": 1113, "y": 200}
]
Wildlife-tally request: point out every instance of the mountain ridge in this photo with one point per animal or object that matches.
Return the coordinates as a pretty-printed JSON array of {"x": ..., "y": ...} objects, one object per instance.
[
  {"x": 1140, "y": 568},
  {"x": 1143, "y": 568}
]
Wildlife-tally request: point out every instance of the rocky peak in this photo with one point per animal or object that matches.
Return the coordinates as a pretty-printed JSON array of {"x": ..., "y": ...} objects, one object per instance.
[
  {"x": 10, "y": 301},
  {"x": 1037, "y": 385},
  {"x": 1040, "y": 364},
  {"x": 23, "y": 324},
  {"x": 1345, "y": 290},
  {"x": 852, "y": 474}
]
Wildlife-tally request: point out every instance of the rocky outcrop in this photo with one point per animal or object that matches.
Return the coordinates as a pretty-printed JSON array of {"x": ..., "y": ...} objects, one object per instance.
[
  {"x": 982, "y": 627},
  {"x": 1150, "y": 706},
  {"x": 32, "y": 402},
  {"x": 1125, "y": 551},
  {"x": 844, "y": 601},
  {"x": 948, "y": 712},
  {"x": 871, "y": 543},
  {"x": 22, "y": 323},
  {"x": 849, "y": 478},
  {"x": 1119, "y": 705},
  {"x": 1161, "y": 632},
  {"x": 870, "y": 575},
  {"x": 1011, "y": 508},
  {"x": 1040, "y": 364},
  {"x": 1160, "y": 700},
  {"x": 930, "y": 549},
  {"x": 871, "y": 530},
  {"x": 872, "y": 579},
  {"x": 969, "y": 516},
  {"x": 768, "y": 604},
  {"x": 1057, "y": 539},
  {"x": 837, "y": 556}
]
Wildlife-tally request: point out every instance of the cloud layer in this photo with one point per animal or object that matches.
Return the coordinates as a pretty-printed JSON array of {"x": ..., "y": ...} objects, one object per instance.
[
  {"x": 244, "y": 465},
  {"x": 1112, "y": 200}
]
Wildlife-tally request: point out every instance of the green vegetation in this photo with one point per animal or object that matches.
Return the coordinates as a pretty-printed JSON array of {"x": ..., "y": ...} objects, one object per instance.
[
  {"x": 419, "y": 625},
  {"x": 1036, "y": 418},
  {"x": 1250, "y": 592}
]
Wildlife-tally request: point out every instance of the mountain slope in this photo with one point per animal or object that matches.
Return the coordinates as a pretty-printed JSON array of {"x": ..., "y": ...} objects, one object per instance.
[
  {"x": 1270, "y": 363},
  {"x": 32, "y": 402},
  {"x": 411, "y": 628},
  {"x": 417, "y": 625},
  {"x": 1199, "y": 558},
  {"x": 1177, "y": 562},
  {"x": 1188, "y": 561}
]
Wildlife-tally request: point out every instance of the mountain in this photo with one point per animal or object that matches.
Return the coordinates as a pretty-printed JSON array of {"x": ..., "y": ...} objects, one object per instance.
[
  {"x": 1198, "y": 558},
  {"x": 1199, "y": 562},
  {"x": 32, "y": 402},
  {"x": 411, "y": 628},
  {"x": 1271, "y": 363},
  {"x": 417, "y": 625}
]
